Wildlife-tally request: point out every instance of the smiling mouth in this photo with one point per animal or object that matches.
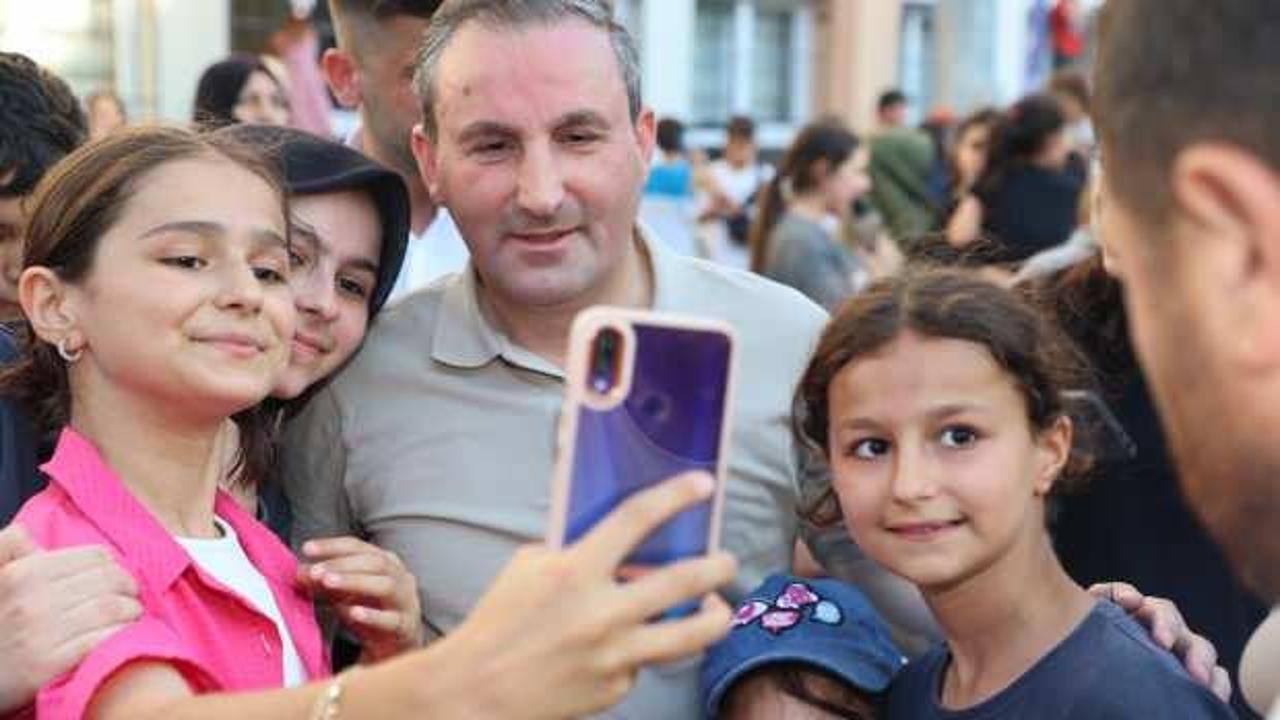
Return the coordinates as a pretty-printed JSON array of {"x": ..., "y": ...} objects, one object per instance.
[
  {"x": 923, "y": 530},
  {"x": 309, "y": 346},
  {"x": 240, "y": 346},
  {"x": 549, "y": 237}
]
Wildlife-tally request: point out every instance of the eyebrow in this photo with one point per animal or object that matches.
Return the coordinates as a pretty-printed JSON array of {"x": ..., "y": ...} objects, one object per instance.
[
  {"x": 261, "y": 236},
  {"x": 589, "y": 118},
  {"x": 305, "y": 232},
  {"x": 583, "y": 117},
  {"x": 481, "y": 128},
  {"x": 938, "y": 413}
]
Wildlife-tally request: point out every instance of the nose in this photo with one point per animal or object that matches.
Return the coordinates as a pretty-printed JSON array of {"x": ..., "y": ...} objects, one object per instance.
[
  {"x": 239, "y": 289},
  {"x": 913, "y": 476},
  {"x": 314, "y": 294},
  {"x": 541, "y": 184}
]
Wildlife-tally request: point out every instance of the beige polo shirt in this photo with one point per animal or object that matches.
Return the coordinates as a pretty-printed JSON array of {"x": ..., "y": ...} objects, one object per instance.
[{"x": 437, "y": 442}]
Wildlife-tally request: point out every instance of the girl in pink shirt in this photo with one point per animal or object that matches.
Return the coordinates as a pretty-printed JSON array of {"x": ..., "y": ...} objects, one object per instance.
[{"x": 156, "y": 284}]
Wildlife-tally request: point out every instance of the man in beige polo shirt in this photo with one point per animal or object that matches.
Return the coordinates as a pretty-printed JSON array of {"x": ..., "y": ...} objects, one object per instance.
[{"x": 437, "y": 442}]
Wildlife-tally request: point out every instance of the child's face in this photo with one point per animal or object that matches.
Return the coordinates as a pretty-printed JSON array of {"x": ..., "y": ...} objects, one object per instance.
[
  {"x": 936, "y": 466},
  {"x": 187, "y": 303},
  {"x": 337, "y": 238}
]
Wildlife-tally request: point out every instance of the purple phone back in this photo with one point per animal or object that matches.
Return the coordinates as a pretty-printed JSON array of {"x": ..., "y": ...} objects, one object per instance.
[{"x": 670, "y": 422}]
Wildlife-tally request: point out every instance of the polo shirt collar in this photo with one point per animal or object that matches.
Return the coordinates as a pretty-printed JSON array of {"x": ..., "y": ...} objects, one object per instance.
[
  {"x": 78, "y": 468},
  {"x": 464, "y": 338}
]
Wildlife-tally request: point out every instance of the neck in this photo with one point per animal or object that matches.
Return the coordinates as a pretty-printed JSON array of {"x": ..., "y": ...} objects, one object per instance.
[
  {"x": 999, "y": 623},
  {"x": 810, "y": 206},
  {"x": 163, "y": 458},
  {"x": 544, "y": 329},
  {"x": 422, "y": 209}
]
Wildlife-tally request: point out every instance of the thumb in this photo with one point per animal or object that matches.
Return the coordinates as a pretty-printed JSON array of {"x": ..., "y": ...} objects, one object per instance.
[{"x": 15, "y": 543}]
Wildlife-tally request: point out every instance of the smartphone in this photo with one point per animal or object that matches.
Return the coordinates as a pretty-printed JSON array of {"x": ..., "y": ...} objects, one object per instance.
[{"x": 647, "y": 397}]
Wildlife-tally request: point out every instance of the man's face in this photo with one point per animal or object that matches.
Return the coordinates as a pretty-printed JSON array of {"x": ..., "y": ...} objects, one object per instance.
[
  {"x": 537, "y": 158},
  {"x": 1221, "y": 436},
  {"x": 390, "y": 109},
  {"x": 894, "y": 115},
  {"x": 11, "y": 221}
]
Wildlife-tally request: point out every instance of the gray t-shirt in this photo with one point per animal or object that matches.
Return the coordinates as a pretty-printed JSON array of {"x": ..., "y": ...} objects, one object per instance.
[
  {"x": 804, "y": 255},
  {"x": 437, "y": 443}
]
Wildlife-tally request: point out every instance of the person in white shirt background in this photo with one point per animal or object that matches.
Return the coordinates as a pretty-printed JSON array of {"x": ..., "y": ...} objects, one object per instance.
[{"x": 371, "y": 69}]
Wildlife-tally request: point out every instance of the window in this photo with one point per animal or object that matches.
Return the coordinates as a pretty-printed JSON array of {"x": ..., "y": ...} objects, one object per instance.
[
  {"x": 772, "y": 57},
  {"x": 918, "y": 58},
  {"x": 73, "y": 38},
  {"x": 713, "y": 66}
]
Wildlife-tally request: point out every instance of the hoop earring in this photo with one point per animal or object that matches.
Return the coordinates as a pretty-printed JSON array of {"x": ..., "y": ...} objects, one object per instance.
[{"x": 69, "y": 356}]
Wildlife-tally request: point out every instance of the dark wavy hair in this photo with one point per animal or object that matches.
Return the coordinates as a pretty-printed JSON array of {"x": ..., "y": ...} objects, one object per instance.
[
  {"x": 955, "y": 304},
  {"x": 74, "y": 206},
  {"x": 42, "y": 122}
]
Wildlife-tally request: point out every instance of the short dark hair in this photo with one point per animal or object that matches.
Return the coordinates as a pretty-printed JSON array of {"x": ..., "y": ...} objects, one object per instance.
[
  {"x": 890, "y": 98},
  {"x": 42, "y": 122},
  {"x": 959, "y": 305},
  {"x": 671, "y": 135},
  {"x": 351, "y": 18},
  {"x": 741, "y": 127},
  {"x": 1172, "y": 73},
  {"x": 519, "y": 14}
]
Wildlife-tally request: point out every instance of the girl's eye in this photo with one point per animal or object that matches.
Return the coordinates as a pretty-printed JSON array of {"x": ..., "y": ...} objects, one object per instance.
[
  {"x": 959, "y": 437},
  {"x": 268, "y": 275},
  {"x": 186, "y": 262},
  {"x": 870, "y": 449},
  {"x": 353, "y": 287}
]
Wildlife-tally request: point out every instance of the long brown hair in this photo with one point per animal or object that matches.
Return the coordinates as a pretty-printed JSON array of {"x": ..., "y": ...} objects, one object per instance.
[
  {"x": 74, "y": 205},
  {"x": 826, "y": 141},
  {"x": 954, "y": 304}
]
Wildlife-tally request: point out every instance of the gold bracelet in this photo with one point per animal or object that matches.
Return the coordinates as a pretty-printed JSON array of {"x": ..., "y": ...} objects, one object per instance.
[{"x": 328, "y": 705}]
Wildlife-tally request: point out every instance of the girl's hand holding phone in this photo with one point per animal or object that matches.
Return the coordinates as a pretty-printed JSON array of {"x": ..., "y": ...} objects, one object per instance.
[{"x": 373, "y": 592}]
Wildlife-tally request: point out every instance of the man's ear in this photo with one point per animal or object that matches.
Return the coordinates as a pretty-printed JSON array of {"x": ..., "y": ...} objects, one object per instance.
[
  {"x": 1228, "y": 208},
  {"x": 425, "y": 151},
  {"x": 50, "y": 307},
  {"x": 342, "y": 76},
  {"x": 647, "y": 134}
]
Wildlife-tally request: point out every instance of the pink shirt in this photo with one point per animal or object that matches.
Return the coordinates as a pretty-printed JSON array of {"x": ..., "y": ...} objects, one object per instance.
[{"x": 215, "y": 638}]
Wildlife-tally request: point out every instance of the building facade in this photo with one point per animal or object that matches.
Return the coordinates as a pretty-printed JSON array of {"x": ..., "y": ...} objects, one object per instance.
[{"x": 783, "y": 62}]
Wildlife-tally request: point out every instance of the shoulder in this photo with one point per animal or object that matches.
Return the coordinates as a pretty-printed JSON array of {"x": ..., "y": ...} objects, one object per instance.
[
  {"x": 754, "y": 305},
  {"x": 1132, "y": 677},
  {"x": 403, "y": 333},
  {"x": 417, "y": 312},
  {"x": 55, "y": 521},
  {"x": 148, "y": 640},
  {"x": 912, "y": 692}
]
